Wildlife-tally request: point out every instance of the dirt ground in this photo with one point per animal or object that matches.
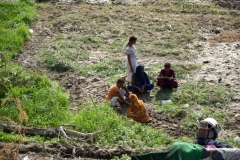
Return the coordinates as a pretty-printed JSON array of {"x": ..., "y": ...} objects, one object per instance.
[{"x": 220, "y": 58}]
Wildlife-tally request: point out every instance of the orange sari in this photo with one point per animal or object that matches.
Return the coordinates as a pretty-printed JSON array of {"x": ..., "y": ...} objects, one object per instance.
[{"x": 137, "y": 110}]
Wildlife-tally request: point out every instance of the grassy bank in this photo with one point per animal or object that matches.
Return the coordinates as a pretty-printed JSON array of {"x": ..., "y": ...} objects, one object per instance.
[{"x": 166, "y": 32}]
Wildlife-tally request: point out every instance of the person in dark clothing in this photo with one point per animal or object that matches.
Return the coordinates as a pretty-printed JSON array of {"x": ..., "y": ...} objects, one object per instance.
[
  {"x": 167, "y": 78},
  {"x": 140, "y": 81}
]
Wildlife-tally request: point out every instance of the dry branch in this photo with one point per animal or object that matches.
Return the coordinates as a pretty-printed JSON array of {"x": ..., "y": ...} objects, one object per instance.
[{"x": 50, "y": 132}]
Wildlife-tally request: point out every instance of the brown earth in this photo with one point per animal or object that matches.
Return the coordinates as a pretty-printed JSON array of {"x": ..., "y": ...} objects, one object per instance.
[{"x": 220, "y": 58}]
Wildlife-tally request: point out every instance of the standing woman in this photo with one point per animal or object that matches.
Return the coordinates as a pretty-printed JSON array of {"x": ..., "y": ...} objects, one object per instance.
[{"x": 131, "y": 61}]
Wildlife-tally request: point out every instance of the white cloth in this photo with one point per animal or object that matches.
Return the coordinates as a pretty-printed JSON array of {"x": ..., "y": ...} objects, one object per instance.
[
  {"x": 131, "y": 51},
  {"x": 113, "y": 102}
]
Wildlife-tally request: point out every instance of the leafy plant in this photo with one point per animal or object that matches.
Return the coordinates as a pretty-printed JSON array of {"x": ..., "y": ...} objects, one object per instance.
[{"x": 14, "y": 21}]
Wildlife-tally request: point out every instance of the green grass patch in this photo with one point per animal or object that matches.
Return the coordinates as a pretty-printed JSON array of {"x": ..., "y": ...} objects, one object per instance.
[
  {"x": 8, "y": 137},
  {"x": 171, "y": 109},
  {"x": 64, "y": 52},
  {"x": 178, "y": 6},
  {"x": 200, "y": 92},
  {"x": 119, "y": 129},
  {"x": 12, "y": 137},
  {"x": 14, "y": 21},
  {"x": 184, "y": 71},
  {"x": 104, "y": 68},
  {"x": 42, "y": 99}
]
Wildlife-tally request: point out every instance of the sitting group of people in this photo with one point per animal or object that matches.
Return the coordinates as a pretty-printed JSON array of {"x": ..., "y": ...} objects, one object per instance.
[
  {"x": 136, "y": 108},
  {"x": 140, "y": 83}
]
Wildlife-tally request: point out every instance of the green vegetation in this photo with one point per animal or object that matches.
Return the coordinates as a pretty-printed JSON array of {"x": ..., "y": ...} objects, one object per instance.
[
  {"x": 164, "y": 33},
  {"x": 14, "y": 21},
  {"x": 190, "y": 120},
  {"x": 190, "y": 95},
  {"x": 105, "y": 68},
  {"x": 119, "y": 129},
  {"x": 43, "y": 100},
  {"x": 173, "y": 110},
  {"x": 202, "y": 93}
]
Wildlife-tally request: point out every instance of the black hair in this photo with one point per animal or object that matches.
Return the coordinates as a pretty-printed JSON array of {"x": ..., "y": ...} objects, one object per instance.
[
  {"x": 167, "y": 64},
  {"x": 131, "y": 39},
  {"x": 120, "y": 80}
]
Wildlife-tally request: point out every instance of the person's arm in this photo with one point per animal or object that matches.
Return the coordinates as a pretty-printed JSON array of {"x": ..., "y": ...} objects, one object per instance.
[
  {"x": 122, "y": 99},
  {"x": 134, "y": 84},
  {"x": 172, "y": 75},
  {"x": 130, "y": 63},
  {"x": 143, "y": 88},
  {"x": 127, "y": 92},
  {"x": 161, "y": 75},
  {"x": 147, "y": 81},
  {"x": 164, "y": 76}
]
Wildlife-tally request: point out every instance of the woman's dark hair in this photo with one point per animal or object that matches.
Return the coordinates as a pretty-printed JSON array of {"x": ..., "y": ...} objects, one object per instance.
[
  {"x": 167, "y": 64},
  {"x": 120, "y": 80},
  {"x": 131, "y": 39}
]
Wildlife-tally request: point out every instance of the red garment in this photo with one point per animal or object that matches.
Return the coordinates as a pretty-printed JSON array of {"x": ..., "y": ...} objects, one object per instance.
[{"x": 167, "y": 83}]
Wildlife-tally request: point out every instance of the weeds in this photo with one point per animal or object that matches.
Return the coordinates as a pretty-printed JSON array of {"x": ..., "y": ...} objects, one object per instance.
[
  {"x": 10, "y": 151},
  {"x": 59, "y": 66},
  {"x": 119, "y": 130}
]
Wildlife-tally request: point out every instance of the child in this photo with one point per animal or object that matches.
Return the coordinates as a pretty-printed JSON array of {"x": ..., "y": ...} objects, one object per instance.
[{"x": 167, "y": 78}]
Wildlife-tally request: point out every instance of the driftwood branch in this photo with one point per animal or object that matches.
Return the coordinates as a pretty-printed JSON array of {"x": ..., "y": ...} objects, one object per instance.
[{"x": 50, "y": 132}]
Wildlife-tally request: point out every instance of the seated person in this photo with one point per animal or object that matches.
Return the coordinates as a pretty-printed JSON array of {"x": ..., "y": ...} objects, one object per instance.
[
  {"x": 167, "y": 78},
  {"x": 140, "y": 82},
  {"x": 137, "y": 110},
  {"x": 116, "y": 94}
]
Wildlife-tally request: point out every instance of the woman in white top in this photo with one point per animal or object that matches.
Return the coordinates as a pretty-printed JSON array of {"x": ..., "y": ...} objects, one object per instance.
[{"x": 131, "y": 61}]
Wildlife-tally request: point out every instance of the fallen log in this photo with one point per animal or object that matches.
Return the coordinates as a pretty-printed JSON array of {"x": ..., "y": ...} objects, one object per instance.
[
  {"x": 29, "y": 130},
  {"x": 50, "y": 132}
]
